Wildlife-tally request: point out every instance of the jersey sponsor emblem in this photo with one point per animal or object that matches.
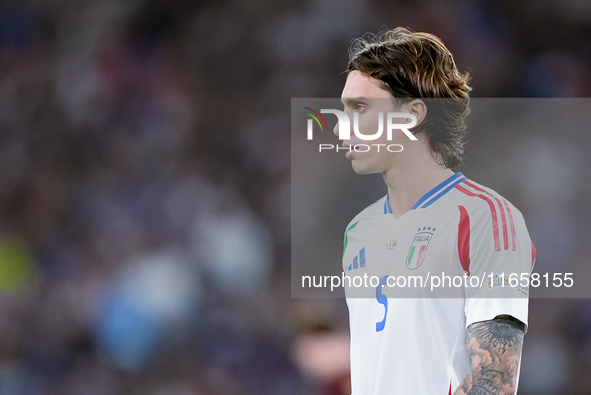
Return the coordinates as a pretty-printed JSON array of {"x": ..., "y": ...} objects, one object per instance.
[
  {"x": 418, "y": 248},
  {"x": 391, "y": 244},
  {"x": 506, "y": 281}
]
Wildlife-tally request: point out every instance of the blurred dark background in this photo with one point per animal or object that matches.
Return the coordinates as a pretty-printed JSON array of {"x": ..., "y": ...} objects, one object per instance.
[{"x": 145, "y": 186}]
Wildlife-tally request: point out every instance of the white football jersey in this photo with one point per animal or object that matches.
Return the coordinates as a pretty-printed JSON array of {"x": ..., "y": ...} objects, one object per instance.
[{"x": 407, "y": 336}]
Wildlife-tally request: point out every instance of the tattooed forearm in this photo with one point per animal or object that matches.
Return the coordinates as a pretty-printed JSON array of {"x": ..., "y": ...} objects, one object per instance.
[
  {"x": 489, "y": 382},
  {"x": 495, "y": 351}
]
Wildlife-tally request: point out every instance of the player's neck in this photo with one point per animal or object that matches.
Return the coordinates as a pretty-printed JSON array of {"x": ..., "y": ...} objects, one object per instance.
[{"x": 407, "y": 185}]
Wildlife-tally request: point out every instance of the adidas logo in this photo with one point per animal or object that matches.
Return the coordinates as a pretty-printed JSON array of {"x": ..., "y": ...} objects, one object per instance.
[{"x": 358, "y": 261}]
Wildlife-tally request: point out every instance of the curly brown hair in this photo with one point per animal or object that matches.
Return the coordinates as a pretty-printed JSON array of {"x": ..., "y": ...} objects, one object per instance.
[{"x": 417, "y": 65}]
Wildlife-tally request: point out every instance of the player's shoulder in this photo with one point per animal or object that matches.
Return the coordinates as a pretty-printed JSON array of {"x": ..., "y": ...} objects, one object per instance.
[
  {"x": 379, "y": 207},
  {"x": 487, "y": 210},
  {"x": 477, "y": 198},
  {"x": 491, "y": 219}
]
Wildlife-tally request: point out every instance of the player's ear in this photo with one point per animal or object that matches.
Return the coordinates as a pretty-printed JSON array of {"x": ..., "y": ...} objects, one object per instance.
[{"x": 418, "y": 108}]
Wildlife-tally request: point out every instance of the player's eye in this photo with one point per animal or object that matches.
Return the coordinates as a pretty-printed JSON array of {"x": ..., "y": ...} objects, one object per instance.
[{"x": 360, "y": 107}]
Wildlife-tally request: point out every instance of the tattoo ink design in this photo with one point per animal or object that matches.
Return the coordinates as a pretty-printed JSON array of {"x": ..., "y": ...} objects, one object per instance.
[
  {"x": 495, "y": 351},
  {"x": 498, "y": 332},
  {"x": 489, "y": 383}
]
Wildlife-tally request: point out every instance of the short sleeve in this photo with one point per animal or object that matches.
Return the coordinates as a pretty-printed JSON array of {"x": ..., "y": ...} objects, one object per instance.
[{"x": 494, "y": 245}]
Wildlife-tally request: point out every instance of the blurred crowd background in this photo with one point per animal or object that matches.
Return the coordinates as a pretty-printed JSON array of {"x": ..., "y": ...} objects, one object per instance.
[{"x": 145, "y": 186}]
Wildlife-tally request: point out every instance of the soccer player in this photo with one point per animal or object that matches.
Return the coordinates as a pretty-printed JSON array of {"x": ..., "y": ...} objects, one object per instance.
[{"x": 432, "y": 221}]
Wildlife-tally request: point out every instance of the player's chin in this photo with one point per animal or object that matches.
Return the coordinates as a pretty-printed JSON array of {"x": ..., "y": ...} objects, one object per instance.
[{"x": 362, "y": 167}]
